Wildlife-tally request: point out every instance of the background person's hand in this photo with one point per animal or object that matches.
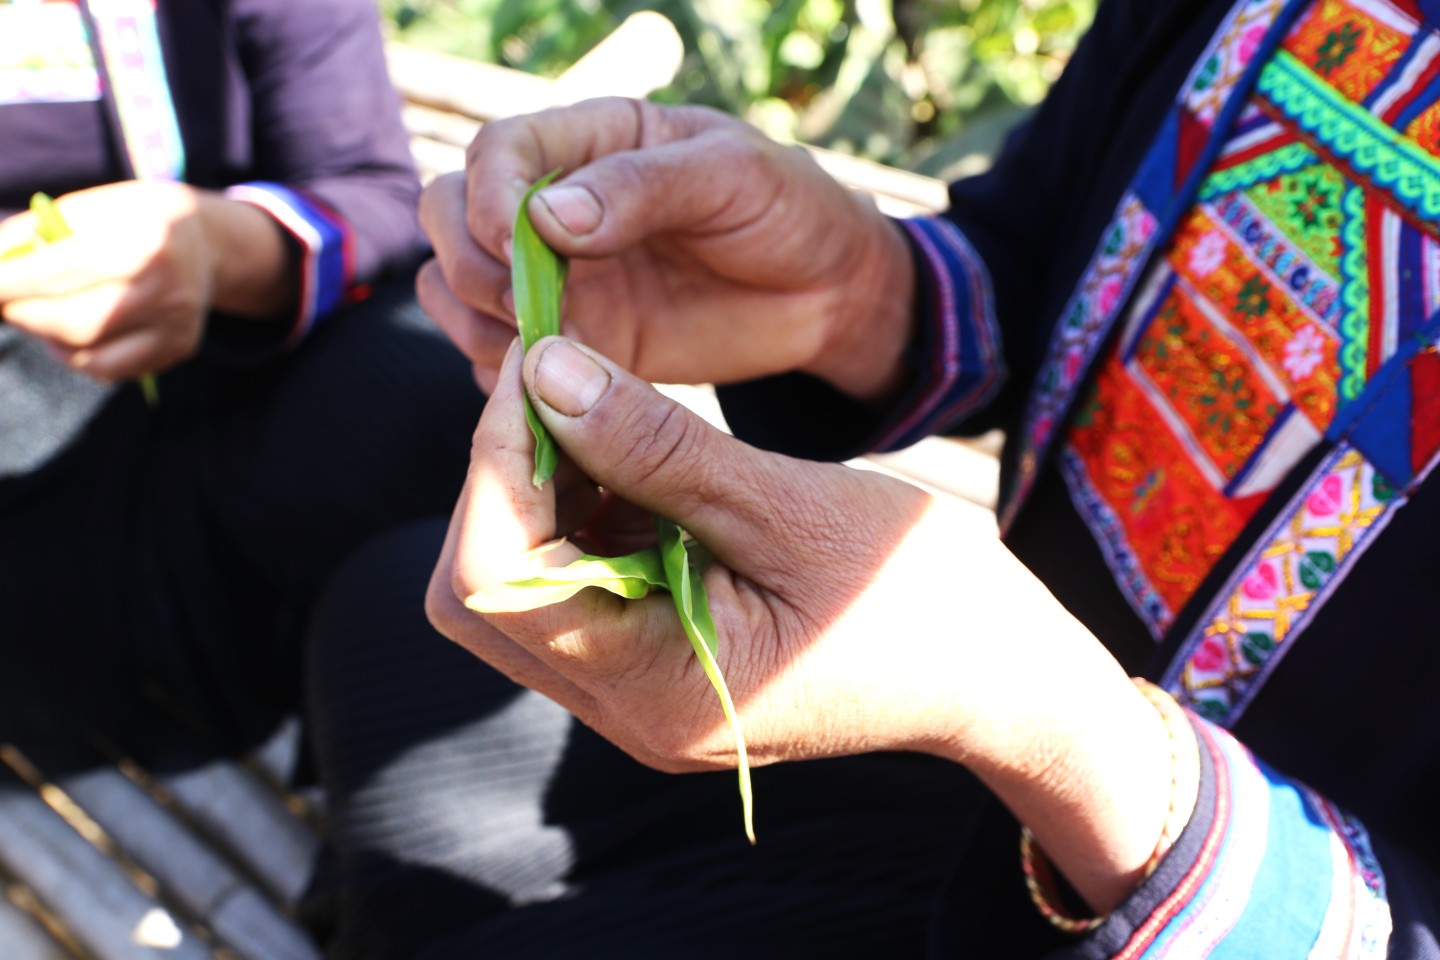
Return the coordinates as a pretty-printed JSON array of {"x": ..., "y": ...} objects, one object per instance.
[
  {"x": 855, "y": 613},
  {"x": 700, "y": 250},
  {"x": 129, "y": 292}
]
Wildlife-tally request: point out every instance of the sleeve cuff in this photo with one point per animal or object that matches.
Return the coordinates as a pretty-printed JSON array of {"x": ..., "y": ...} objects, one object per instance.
[
  {"x": 959, "y": 364},
  {"x": 955, "y": 362},
  {"x": 324, "y": 239},
  {"x": 1265, "y": 867}
]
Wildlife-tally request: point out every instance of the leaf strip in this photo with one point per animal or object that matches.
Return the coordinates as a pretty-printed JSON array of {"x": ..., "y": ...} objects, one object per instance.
[{"x": 537, "y": 276}]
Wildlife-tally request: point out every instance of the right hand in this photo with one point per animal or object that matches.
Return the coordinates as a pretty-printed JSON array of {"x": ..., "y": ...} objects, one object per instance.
[{"x": 700, "y": 250}]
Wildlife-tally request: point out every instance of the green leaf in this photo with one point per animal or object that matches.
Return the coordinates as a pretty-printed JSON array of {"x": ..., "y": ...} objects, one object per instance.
[
  {"x": 538, "y": 279},
  {"x": 51, "y": 227},
  {"x": 537, "y": 275},
  {"x": 17, "y": 251},
  {"x": 684, "y": 560},
  {"x": 631, "y": 577}
]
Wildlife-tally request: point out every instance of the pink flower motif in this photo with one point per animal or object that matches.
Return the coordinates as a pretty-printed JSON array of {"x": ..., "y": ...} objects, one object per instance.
[
  {"x": 1144, "y": 226},
  {"x": 1041, "y": 431},
  {"x": 1073, "y": 358},
  {"x": 1249, "y": 44},
  {"x": 1210, "y": 658},
  {"x": 1325, "y": 501},
  {"x": 1304, "y": 352},
  {"x": 1263, "y": 584},
  {"x": 1208, "y": 254},
  {"x": 1108, "y": 295}
]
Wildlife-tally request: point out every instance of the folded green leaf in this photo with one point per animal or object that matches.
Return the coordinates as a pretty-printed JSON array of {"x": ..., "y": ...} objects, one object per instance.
[
  {"x": 51, "y": 227},
  {"x": 537, "y": 276},
  {"x": 685, "y": 560},
  {"x": 631, "y": 577}
]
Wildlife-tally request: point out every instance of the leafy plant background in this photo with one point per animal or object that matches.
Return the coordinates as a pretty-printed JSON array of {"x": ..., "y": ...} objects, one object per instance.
[{"x": 928, "y": 85}]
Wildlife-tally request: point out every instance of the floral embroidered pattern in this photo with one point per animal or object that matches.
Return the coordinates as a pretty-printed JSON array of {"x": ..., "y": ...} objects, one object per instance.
[
  {"x": 1349, "y": 44},
  {"x": 1221, "y": 68},
  {"x": 1271, "y": 597},
  {"x": 1208, "y": 381},
  {"x": 1159, "y": 515},
  {"x": 1111, "y": 274},
  {"x": 1108, "y": 278},
  {"x": 1260, "y": 291},
  {"x": 1304, "y": 352}
]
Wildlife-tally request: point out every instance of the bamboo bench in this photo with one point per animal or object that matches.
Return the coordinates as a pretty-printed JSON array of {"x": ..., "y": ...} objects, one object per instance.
[{"x": 102, "y": 859}]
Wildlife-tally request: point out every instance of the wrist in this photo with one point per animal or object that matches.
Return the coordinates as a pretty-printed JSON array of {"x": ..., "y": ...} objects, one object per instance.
[
  {"x": 1109, "y": 811},
  {"x": 873, "y": 316},
  {"x": 250, "y": 266}
]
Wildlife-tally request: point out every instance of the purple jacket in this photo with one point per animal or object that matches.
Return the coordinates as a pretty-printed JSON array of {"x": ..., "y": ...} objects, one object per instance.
[{"x": 286, "y": 104}]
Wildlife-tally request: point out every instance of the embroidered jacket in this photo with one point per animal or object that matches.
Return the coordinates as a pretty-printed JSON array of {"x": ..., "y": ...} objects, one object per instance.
[{"x": 1201, "y": 293}]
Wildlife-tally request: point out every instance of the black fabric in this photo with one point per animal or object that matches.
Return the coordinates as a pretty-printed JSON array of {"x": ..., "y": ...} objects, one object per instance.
[
  {"x": 177, "y": 550},
  {"x": 1351, "y": 709},
  {"x": 474, "y": 818}
]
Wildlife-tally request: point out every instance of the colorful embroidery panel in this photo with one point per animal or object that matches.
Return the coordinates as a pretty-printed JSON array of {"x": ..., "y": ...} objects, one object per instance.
[
  {"x": 1160, "y": 192},
  {"x": 1282, "y": 582},
  {"x": 45, "y": 55},
  {"x": 1288, "y": 294}
]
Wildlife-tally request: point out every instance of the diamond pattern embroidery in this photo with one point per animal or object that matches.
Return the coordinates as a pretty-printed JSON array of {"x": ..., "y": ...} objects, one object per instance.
[{"x": 1267, "y": 601}]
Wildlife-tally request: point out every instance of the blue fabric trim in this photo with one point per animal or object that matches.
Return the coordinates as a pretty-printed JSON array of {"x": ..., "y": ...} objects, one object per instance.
[
  {"x": 1287, "y": 903},
  {"x": 326, "y": 273}
]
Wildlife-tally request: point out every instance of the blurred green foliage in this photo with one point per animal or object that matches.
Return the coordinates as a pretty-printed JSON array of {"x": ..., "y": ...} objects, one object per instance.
[{"x": 930, "y": 85}]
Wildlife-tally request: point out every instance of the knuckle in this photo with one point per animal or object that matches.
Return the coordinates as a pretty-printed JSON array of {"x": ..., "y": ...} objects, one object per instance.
[{"x": 666, "y": 442}]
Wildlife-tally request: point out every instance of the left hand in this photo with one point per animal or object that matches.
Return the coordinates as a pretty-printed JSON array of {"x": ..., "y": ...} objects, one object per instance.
[
  {"x": 855, "y": 613},
  {"x": 128, "y": 293}
]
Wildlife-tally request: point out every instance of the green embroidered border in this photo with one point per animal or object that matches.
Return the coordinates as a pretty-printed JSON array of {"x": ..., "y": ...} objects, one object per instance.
[
  {"x": 1288, "y": 159},
  {"x": 1354, "y": 296},
  {"x": 1366, "y": 144}
]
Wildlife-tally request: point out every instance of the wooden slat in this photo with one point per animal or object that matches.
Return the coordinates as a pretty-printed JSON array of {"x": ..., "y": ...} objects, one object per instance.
[
  {"x": 249, "y": 822},
  {"x": 86, "y": 890},
  {"x": 22, "y": 937},
  {"x": 194, "y": 877}
]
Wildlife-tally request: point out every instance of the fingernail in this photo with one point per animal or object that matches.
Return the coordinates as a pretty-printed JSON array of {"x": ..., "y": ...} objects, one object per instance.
[
  {"x": 507, "y": 246},
  {"x": 577, "y": 209},
  {"x": 569, "y": 380}
]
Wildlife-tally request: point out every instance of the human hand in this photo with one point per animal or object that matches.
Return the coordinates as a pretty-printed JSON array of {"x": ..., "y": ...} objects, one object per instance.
[
  {"x": 855, "y": 613},
  {"x": 125, "y": 295},
  {"x": 129, "y": 292},
  {"x": 700, "y": 250}
]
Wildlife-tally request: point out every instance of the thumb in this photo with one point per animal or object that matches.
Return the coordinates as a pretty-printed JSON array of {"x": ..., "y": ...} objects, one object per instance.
[{"x": 657, "y": 454}]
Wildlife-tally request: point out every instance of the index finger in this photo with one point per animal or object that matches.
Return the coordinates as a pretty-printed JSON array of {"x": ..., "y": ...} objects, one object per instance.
[{"x": 509, "y": 155}]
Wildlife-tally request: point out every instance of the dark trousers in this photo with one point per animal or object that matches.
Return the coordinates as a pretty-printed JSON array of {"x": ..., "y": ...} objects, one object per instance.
[
  {"x": 473, "y": 818},
  {"x": 177, "y": 552}
]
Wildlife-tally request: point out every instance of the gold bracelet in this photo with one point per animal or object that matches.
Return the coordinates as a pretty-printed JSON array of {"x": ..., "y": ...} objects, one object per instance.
[{"x": 1039, "y": 876}]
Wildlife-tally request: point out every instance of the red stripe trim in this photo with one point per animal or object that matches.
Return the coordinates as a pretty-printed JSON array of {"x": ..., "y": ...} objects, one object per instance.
[
  {"x": 1204, "y": 865},
  {"x": 1375, "y": 267},
  {"x": 1283, "y": 139}
]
